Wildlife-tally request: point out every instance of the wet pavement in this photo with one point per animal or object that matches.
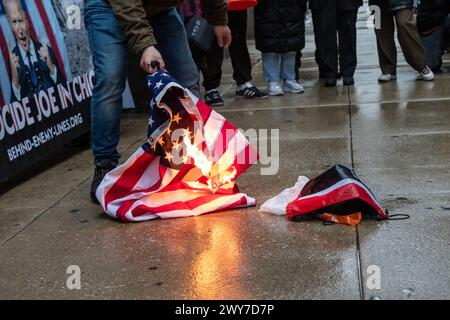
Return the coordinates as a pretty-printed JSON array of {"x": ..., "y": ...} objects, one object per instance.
[{"x": 397, "y": 138}]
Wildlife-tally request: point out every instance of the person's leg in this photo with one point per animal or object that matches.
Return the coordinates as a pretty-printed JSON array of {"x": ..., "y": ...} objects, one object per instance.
[
  {"x": 432, "y": 45},
  {"x": 288, "y": 66},
  {"x": 327, "y": 44},
  {"x": 317, "y": 37},
  {"x": 199, "y": 57},
  {"x": 298, "y": 56},
  {"x": 347, "y": 43},
  {"x": 387, "y": 51},
  {"x": 240, "y": 57},
  {"x": 288, "y": 73},
  {"x": 173, "y": 44},
  {"x": 109, "y": 49},
  {"x": 409, "y": 39},
  {"x": 212, "y": 73},
  {"x": 298, "y": 64},
  {"x": 445, "y": 42},
  {"x": 272, "y": 72},
  {"x": 271, "y": 66}
]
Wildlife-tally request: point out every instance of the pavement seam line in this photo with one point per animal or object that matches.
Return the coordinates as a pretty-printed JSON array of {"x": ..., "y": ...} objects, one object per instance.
[
  {"x": 359, "y": 265},
  {"x": 343, "y": 104},
  {"x": 358, "y": 247}
]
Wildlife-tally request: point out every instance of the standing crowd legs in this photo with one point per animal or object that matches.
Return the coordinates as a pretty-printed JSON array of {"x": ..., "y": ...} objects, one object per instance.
[{"x": 155, "y": 30}]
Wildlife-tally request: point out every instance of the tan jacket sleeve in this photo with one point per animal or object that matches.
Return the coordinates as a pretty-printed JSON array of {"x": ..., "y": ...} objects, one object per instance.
[
  {"x": 133, "y": 19},
  {"x": 215, "y": 11}
]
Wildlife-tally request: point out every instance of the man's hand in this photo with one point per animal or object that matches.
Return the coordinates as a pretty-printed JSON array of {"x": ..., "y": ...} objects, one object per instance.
[
  {"x": 223, "y": 35},
  {"x": 14, "y": 69},
  {"x": 148, "y": 55},
  {"x": 44, "y": 53}
]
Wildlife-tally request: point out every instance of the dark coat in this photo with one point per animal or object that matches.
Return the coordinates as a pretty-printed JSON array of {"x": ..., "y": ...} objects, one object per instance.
[
  {"x": 392, "y": 5},
  {"x": 342, "y": 5},
  {"x": 45, "y": 81},
  {"x": 432, "y": 14},
  {"x": 280, "y": 25}
]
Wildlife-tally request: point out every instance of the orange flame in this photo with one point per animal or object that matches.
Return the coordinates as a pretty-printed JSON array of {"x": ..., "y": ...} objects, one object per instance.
[{"x": 219, "y": 173}]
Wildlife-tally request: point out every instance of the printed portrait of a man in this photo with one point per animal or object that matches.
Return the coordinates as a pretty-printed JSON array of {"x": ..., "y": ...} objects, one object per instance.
[{"x": 33, "y": 63}]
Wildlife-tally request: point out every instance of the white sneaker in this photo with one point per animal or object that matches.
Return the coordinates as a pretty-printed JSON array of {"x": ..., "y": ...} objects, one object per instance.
[
  {"x": 426, "y": 75},
  {"x": 274, "y": 89},
  {"x": 292, "y": 86},
  {"x": 386, "y": 77}
]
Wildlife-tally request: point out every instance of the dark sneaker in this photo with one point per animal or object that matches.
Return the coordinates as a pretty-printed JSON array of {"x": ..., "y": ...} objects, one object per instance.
[
  {"x": 99, "y": 174},
  {"x": 350, "y": 81},
  {"x": 213, "y": 99},
  {"x": 331, "y": 82},
  {"x": 251, "y": 93}
]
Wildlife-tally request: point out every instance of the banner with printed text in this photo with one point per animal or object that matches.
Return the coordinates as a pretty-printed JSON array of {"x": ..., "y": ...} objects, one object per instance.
[{"x": 46, "y": 79}]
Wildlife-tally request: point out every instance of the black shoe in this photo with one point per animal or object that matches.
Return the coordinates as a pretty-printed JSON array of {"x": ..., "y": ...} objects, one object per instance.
[
  {"x": 349, "y": 81},
  {"x": 213, "y": 99},
  {"x": 99, "y": 174},
  {"x": 330, "y": 83},
  {"x": 251, "y": 93}
]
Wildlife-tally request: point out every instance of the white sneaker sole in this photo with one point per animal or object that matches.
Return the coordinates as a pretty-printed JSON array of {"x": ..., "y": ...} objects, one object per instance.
[
  {"x": 289, "y": 90},
  {"x": 388, "y": 80},
  {"x": 274, "y": 94},
  {"x": 422, "y": 78}
]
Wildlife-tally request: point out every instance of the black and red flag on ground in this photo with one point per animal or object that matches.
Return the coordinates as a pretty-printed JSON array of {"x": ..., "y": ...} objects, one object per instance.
[
  {"x": 337, "y": 191},
  {"x": 336, "y": 196}
]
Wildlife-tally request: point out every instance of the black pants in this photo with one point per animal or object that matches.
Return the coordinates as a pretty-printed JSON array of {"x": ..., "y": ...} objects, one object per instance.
[
  {"x": 316, "y": 27},
  {"x": 298, "y": 57},
  {"x": 331, "y": 24},
  {"x": 209, "y": 64},
  {"x": 446, "y": 34},
  {"x": 240, "y": 57}
]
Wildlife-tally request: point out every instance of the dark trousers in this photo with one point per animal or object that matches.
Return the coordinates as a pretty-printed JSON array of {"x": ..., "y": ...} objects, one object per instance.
[
  {"x": 432, "y": 45},
  {"x": 435, "y": 44},
  {"x": 240, "y": 57},
  {"x": 446, "y": 34},
  {"x": 209, "y": 64},
  {"x": 298, "y": 62},
  {"x": 331, "y": 25},
  {"x": 408, "y": 37},
  {"x": 316, "y": 26}
]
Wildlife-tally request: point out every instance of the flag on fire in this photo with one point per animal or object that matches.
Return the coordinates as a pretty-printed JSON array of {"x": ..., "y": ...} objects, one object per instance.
[{"x": 187, "y": 166}]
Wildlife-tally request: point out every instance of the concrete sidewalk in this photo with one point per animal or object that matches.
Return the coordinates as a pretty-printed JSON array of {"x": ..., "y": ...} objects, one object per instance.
[{"x": 397, "y": 138}]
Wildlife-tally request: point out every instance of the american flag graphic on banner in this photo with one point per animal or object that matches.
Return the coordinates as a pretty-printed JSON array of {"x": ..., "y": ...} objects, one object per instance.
[
  {"x": 44, "y": 28},
  {"x": 188, "y": 165}
]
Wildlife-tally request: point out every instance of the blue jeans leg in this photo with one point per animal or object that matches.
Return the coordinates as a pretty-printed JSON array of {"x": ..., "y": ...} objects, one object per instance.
[
  {"x": 432, "y": 44},
  {"x": 109, "y": 50},
  {"x": 173, "y": 44},
  {"x": 271, "y": 66},
  {"x": 288, "y": 65}
]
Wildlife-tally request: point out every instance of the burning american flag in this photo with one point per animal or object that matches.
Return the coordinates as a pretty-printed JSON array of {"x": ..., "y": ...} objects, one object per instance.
[{"x": 187, "y": 166}]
